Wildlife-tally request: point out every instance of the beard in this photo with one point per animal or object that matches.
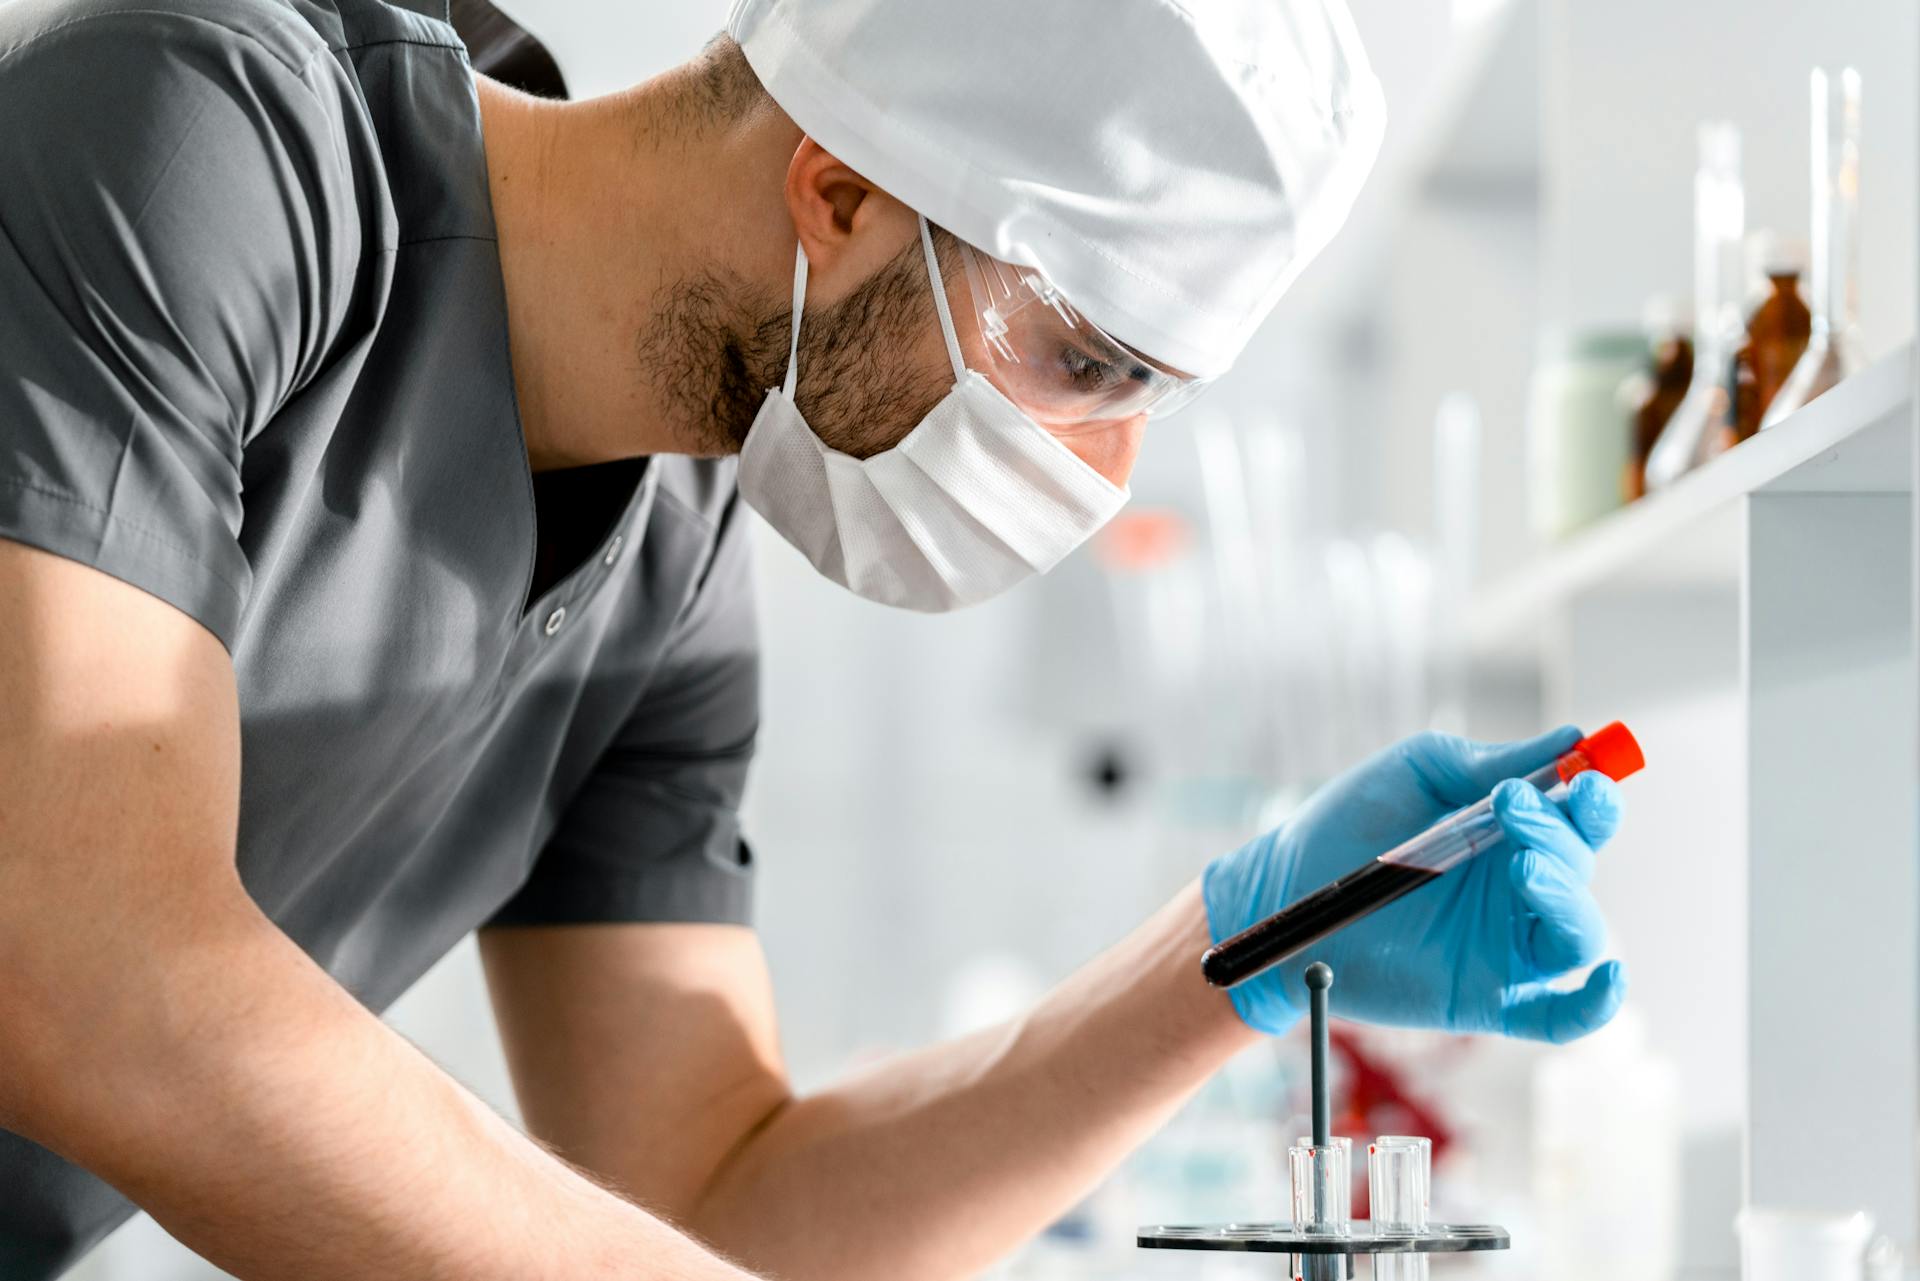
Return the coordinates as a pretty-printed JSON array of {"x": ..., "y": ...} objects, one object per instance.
[{"x": 713, "y": 355}]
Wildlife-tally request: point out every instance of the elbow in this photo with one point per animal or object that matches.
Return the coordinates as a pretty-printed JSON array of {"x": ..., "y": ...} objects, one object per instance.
[{"x": 721, "y": 1211}]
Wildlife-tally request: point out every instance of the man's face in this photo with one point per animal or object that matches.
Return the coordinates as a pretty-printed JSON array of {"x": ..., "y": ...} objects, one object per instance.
[
  {"x": 889, "y": 333},
  {"x": 874, "y": 364}
]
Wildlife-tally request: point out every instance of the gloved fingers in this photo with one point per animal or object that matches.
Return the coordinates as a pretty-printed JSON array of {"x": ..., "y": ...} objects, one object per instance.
[
  {"x": 1536, "y": 1012},
  {"x": 1532, "y": 822},
  {"x": 1593, "y": 803},
  {"x": 1459, "y": 771},
  {"x": 1562, "y": 928}
]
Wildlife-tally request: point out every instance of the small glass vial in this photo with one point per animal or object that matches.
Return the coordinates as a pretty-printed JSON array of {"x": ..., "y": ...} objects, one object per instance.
[
  {"x": 1399, "y": 1191},
  {"x": 1322, "y": 1179}
]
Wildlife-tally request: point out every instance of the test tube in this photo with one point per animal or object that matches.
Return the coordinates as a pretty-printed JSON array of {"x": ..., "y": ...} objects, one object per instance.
[
  {"x": 1399, "y": 1189},
  {"x": 1399, "y": 1183},
  {"x": 1322, "y": 1187},
  {"x": 1405, "y": 868},
  {"x": 1321, "y": 1175}
]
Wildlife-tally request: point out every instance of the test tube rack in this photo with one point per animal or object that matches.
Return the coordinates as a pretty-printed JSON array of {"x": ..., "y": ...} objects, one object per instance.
[{"x": 1288, "y": 1238}]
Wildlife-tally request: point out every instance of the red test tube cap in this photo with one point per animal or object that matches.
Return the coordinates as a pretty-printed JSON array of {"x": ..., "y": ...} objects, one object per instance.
[{"x": 1611, "y": 749}]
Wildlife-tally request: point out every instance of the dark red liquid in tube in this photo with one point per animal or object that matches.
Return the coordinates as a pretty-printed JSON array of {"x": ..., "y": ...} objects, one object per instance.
[
  {"x": 1371, "y": 885},
  {"x": 1462, "y": 835}
]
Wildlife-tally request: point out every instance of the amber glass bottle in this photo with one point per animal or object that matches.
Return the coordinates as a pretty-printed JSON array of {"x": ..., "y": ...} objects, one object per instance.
[
  {"x": 1777, "y": 334},
  {"x": 1672, "y": 372}
]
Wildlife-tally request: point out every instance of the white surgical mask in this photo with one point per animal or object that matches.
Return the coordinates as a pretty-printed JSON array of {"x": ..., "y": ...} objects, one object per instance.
[{"x": 974, "y": 499}]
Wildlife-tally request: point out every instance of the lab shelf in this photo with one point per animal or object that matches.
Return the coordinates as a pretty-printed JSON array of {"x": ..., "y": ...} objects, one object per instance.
[
  {"x": 1855, "y": 439},
  {"x": 1755, "y": 624}
]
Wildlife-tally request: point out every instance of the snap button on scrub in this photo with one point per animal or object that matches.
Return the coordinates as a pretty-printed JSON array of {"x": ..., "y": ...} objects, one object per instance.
[
  {"x": 556, "y": 618},
  {"x": 613, "y": 549}
]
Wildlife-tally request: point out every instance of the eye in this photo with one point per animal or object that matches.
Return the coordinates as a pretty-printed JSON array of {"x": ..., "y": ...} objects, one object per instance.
[{"x": 1089, "y": 373}]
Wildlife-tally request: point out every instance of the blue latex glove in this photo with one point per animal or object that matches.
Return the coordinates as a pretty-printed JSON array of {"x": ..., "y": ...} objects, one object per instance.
[{"x": 1468, "y": 952}]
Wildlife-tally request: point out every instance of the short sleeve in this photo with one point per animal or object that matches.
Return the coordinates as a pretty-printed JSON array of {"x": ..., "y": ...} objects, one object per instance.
[
  {"x": 177, "y": 245},
  {"x": 654, "y": 835}
]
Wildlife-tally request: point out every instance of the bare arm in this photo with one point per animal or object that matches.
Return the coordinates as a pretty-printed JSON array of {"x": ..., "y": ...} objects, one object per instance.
[
  {"x": 162, "y": 1033},
  {"x": 647, "y": 1053}
]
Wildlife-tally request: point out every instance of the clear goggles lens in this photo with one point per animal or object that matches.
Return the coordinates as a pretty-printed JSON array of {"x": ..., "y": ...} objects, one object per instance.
[{"x": 1055, "y": 363}]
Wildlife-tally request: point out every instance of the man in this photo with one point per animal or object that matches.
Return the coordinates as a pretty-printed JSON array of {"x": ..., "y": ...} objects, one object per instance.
[{"x": 372, "y": 571}]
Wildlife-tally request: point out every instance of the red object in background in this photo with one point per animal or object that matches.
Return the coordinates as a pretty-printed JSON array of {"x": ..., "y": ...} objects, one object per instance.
[
  {"x": 1143, "y": 538},
  {"x": 1373, "y": 1101}
]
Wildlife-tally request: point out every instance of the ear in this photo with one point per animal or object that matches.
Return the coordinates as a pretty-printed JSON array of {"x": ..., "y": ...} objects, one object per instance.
[{"x": 848, "y": 227}]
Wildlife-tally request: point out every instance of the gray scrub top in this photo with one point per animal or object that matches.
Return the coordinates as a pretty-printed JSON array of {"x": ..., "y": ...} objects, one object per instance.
[{"x": 253, "y": 360}]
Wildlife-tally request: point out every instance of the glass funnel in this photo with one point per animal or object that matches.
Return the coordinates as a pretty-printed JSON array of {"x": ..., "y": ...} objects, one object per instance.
[
  {"x": 1719, "y": 280},
  {"x": 1833, "y": 350}
]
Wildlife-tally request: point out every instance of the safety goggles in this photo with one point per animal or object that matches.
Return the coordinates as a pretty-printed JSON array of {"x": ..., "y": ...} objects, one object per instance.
[{"x": 1053, "y": 362}]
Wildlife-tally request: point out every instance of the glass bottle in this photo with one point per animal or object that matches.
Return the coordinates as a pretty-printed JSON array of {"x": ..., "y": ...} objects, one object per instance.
[
  {"x": 1654, "y": 401},
  {"x": 1777, "y": 336},
  {"x": 1833, "y": 347},
  {"x": 1719, "y": 230}
]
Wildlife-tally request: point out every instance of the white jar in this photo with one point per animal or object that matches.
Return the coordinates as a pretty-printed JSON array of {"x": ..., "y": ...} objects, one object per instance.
[{"x": 1580, "y": 429}]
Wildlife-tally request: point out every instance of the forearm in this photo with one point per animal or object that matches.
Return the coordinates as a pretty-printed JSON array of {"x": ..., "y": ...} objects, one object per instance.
[
  {"x": 230, "y": 1088},
  {"x": 981, "y": 1142}
]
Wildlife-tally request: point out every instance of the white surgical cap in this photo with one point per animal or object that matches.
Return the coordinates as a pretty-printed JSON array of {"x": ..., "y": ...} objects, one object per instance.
[{"x": 1171, "y": 165}]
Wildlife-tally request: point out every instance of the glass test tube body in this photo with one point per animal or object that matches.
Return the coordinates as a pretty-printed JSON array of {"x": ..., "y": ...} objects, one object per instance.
[
  {"x": 1399, "y": 1183},
  {"x": 1610, "y": 750},
  {"x": 1719, "y": 284},
  {"x": 1373, "y": 885},
  {"x": 1833, "y": 349},
  {"x": 1322, "y": 1182},
  {"x": 1399, "y": 1191}
]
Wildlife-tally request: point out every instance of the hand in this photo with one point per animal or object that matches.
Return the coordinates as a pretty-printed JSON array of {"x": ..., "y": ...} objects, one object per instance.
[{"x": 1470, "y": 952}]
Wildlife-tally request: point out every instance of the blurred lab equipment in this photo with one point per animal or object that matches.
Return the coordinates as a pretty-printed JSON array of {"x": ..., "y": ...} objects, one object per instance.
[
  {"x": 1456, "y": 536},
  {"x": 1780, "y": 1244},
  {"x": 1449, "y": 842},
  {"x": 1579, "y": 435},
  {"x": 1777, "y": 336},
  {"x": 1239, "y": 651},
  {"x": 1833, "y": 347},
  {"x": 1323, "y": 1238},
  {"x": 1607, "y": 1157},
  {"x": 1885, "y": 1259},
  {"x": 1657, "y": 393},
  {"x": 1719, "y": 229}
]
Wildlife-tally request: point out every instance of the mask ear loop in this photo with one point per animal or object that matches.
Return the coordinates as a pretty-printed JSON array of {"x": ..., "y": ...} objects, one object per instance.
[
  {"x": 940, "y": 302},
  {"x": 799, "y": 304}
]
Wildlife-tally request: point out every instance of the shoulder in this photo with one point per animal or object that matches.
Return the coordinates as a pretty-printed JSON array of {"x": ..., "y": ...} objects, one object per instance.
[
  {"x": 163, "y": 30},
  {"x": 191, "y": 189},
  {"x": 126, "y": 83}
]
